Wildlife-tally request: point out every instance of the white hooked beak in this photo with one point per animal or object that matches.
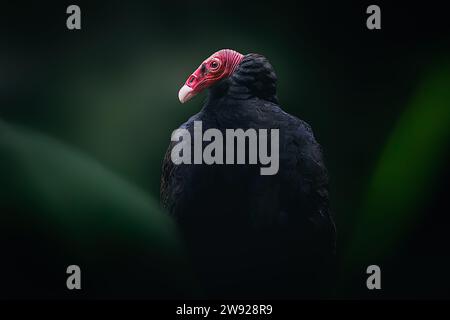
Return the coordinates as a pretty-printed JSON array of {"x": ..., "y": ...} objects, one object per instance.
[{"x": 185, "y": 94}]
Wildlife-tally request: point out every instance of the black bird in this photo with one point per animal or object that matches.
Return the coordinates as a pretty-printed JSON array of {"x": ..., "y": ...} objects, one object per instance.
[{"x": 252, "y": 235}]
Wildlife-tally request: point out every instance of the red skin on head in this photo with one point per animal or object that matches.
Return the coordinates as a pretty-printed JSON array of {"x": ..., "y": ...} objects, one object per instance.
[{"x": 218, "y": 66}]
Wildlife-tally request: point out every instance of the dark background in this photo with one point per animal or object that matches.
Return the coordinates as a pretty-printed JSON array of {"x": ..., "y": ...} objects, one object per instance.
[{"x": 86, "y": 116}]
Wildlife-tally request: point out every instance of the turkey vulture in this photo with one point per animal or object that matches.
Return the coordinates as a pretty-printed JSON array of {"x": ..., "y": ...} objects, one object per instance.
[{"x": 252, "y": 235}]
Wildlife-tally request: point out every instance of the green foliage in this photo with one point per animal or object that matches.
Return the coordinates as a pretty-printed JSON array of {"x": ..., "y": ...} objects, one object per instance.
[
  {"x": 408, "y": 165},
  {"x": 60, "y": 206}
]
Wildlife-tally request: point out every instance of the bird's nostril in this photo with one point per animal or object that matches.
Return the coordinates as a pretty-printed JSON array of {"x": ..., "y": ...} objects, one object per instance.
[{"x": 191, "y": 79}]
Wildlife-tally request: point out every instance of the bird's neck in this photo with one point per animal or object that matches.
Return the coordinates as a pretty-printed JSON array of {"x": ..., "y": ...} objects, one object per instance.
[{"x": 228, "y": 89}]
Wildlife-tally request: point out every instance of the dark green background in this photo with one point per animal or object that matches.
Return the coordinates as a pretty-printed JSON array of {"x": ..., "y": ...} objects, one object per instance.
[{"x": 86, "y": 116}]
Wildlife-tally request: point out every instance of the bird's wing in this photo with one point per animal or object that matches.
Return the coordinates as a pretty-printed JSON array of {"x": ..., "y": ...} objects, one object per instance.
[{"x": 305, "y": 182}]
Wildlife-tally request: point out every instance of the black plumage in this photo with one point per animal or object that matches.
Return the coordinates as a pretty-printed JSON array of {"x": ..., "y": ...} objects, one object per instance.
[{"x": 251, "y": 235}]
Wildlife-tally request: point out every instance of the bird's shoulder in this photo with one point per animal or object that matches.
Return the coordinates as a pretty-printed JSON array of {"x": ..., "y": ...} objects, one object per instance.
[
  {"x": 300, "y": 151},
  {"x": 288, "y": 124},
  {"x": 301, "y": 156}
]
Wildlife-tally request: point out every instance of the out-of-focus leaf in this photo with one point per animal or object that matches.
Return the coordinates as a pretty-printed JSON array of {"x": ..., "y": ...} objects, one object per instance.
[
  {"x": 59, "y": 207},
  {"x": 404, "y": 175}
]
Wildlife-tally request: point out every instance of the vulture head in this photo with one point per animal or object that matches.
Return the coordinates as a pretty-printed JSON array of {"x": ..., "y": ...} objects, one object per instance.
[
  {"x": 243, "y": 76},
  {"x": 218, "y": 66}
]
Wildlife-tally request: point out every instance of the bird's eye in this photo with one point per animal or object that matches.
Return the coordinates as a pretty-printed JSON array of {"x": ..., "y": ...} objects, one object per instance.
[{"x": 214, "y": 64}]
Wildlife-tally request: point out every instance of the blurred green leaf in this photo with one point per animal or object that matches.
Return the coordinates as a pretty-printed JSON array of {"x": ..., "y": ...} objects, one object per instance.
[
  {"x": 59, "y": 207},
  {"x": 404, "y": 175}
]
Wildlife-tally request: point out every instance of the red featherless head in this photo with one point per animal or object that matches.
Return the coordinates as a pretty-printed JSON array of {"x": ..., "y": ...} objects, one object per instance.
[{"x": 217, "y": 67}]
